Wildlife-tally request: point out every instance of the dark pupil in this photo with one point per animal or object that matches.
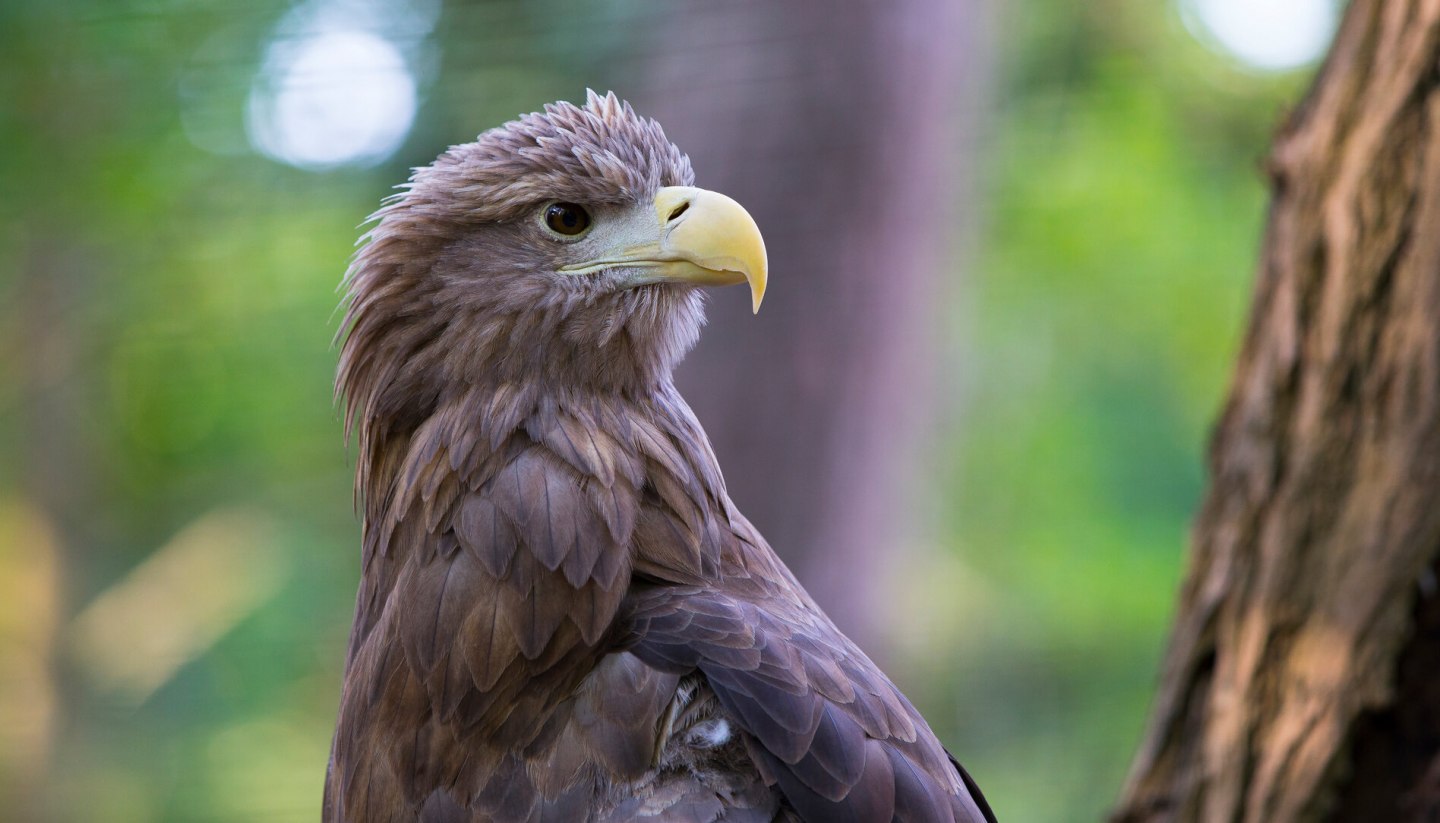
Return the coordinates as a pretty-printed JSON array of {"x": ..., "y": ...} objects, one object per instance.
[{"x": 567, "y": 218}]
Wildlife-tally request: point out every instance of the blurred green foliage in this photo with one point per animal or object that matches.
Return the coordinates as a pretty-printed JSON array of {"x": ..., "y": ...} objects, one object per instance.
[
  {"x": 1122, "y": 204},
  {"x": 167, "y": 320}
]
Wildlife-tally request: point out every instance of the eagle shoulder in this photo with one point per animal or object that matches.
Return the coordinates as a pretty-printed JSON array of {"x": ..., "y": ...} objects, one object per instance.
[{"x": 821, "y": 722}]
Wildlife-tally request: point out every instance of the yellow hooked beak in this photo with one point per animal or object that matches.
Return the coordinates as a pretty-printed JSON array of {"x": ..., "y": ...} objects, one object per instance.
[{"x": 699, "y": 237}]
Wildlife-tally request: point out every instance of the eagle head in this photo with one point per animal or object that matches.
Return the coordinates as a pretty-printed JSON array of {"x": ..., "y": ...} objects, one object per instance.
[{"x": 566, "y": 246}]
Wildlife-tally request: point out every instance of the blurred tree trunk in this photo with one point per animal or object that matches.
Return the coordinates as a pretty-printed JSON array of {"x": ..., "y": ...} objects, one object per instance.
[
  {"x": 1302, "y": 682},
  {"x": 840, "y": 126}
]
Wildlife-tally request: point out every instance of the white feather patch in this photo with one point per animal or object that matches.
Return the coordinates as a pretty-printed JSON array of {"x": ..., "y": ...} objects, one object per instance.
[{"x": 710, "y": 734}]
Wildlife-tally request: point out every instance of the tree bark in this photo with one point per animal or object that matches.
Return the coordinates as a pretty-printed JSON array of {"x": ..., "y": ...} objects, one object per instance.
[
  {"x": 1302, "y": 681},
  {"x": 841, "y": 126}
]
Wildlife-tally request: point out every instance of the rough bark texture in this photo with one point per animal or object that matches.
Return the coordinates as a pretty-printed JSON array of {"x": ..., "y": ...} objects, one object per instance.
[
  {"x": 839, "y": 125},
  {"x": 1301, "y": 681}
]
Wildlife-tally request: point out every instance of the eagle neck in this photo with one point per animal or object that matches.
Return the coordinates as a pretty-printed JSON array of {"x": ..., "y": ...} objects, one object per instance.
[{"x": 471, "y": 434}]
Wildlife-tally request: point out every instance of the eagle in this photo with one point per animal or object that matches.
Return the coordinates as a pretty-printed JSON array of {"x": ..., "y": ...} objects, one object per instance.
[{"x": 562, "y": 616}]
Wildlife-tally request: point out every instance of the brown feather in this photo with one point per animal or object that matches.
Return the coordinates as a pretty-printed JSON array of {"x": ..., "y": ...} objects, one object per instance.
[{"x": 561, "y": 615}]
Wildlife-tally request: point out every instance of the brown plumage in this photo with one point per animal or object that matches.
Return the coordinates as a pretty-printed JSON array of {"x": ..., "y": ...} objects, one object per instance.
[{"x": 562, "y": 617}]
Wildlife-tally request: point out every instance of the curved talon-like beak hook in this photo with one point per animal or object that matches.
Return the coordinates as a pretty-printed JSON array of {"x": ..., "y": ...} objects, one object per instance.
[{"x": 701, "y": 237}]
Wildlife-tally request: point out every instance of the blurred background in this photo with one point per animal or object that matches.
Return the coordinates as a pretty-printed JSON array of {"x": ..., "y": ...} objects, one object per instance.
[{"x": 1012, "y": 245}]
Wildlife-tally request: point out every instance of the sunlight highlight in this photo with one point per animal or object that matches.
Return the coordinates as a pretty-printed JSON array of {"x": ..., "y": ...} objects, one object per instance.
[
  {"x": 336, "y": 87},
  {"x": 335, "y": 99},
  {"x": 177, "y": 603},
  {"x": 1268, "y": 35}
]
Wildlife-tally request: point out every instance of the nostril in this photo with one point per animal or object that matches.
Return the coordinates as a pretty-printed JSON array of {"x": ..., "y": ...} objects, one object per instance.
[{"x": 677, "y": 211}]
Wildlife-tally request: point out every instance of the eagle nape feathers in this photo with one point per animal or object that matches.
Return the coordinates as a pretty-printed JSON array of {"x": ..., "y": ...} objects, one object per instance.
[{"x": 561, "y": 615}]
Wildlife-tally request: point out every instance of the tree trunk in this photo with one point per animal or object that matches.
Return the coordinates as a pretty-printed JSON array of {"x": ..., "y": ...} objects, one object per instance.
[
  {"x": 1302, "y": 682},
  {"x": 839, "y": 126}
]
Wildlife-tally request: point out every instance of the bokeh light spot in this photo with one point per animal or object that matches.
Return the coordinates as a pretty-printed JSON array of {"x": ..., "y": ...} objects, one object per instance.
[
  {"x": 1268, "y": 35},
  {"x": 330, "y": 99}
]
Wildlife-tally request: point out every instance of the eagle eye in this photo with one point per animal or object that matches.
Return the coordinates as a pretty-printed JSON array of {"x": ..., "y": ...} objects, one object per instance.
[{"x": 568, "y": 219}]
